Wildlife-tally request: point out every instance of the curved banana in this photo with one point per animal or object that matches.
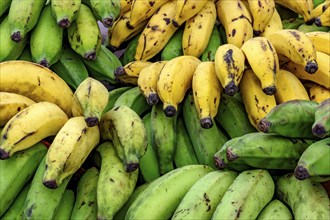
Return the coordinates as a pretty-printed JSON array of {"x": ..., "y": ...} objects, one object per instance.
[
  {"x": 29, "y": 126},
  {"x": 22, "y": 77},
  {"x": 174, "y": 80},
  {"x": 318, "y": 93},
  {"x": 318, "y": 10},
  {"x": 229, "y": 66},
  {"x": 130, "y": 72},
  {"x": 125, "y": 6},
  {"x": 263, "y": 60},
  {"x": 207, "y": 91},
  {"x": 261, "y": 12},
  {"x": 186, "y": 10},
  {"x": 198, "y": 30},
  {"x": 301, "y": 7},
  {"x": 323, "y": 19},
  {"x": 321, "y": 40},
  {"x": 65, "y": 11},
  {"x": 273, "y": 25}
]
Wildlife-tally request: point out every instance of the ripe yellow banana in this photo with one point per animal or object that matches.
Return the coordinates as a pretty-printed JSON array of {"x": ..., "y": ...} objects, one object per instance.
[
  {"x": 147, "y": 81},
  {"x": 11, "y": 104},
  {"x": 186, "y": 9},
  {"x": 89, "y": 100},
  {"x": 237, "y": 21},
  {"x": 257, "y": 103},
  {"x": 323, "y": 19},
  {"x": 301, "y": 7},
  {"x": 263, "y": 60},
  {"x": 207, "y": 92},
  {"x": 174, "y": 80},
  {"x": 296, "y": 46},
  {"x": 35, "y": 82},
  {"x": 198, "y": 30},
  {"x": 261, "y": 12},
  {"x": 321, "y": 40},
  {"x": 318, "y": 93},
  {"x": 29, "y": 126},
  {"x": 318, "y": 10},
  {"x": 125, "y": 6},
  {"x": 229, "y": 66},
  {"x": 274, "y": 24},
  {"x": 68, "y": 151},
  {"x": 130, "y": 72}
]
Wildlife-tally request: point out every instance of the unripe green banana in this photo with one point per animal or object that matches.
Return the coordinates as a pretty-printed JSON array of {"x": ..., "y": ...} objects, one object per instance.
[
  {"x": 321, "y": 125},
  {"x": 250, "y": 192},
  {"x": 65, "y": 207},
  {"x": 223, "y": 35},
  {"x": 214, "y": 42},
  {"x": 65, "y": 11},
  {"x": 129, "y": 53},
  {"x": 275, "y": 210},
  {"x": 173, "y": 48},
  {"x": 114, "y": 95},
  {"x": 4, "y": 6},
  {"x": 292, "y": 23},
  {"x": 26, "y": 54},
  {"x": 106, "y": 11},
  {"x": 307, "y": 199}
]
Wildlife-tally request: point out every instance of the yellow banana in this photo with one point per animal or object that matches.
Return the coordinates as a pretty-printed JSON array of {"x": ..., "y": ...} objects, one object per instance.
[
  {"x": 198, "y": 30},
  {"x": 130, "y": 72},
  {"x": 318, "y": 10},
  {"x": 11, "y": 104},
  {"x": 274, "y": 24},
  {"x": 321, "y": 40},
  {"x": 147, "y": 81},
  {"x": 263, "y": 60},
  {"x": 237, "y": 21},
  {"x": 207, "y": 92},
  {"x": 318, "y": 93},
  {"x": 125, "y": 6},
  {"x": 301, "y": 7},
  {"x": 174, "y": 80},
  {"x": 323, "y": 19},
  {"x": 229, "y": 67},
  {"x": 296, "y": 46},
  {"x": 261, "y": 12},
  {"x": 257, "y": 103},
  {"x": 186, "y": 9}
]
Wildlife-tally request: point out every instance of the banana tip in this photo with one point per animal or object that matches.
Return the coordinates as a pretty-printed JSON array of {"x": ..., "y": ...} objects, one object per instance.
[
  {"x": 301, "y": 173},
  {"x": 230, "y": 155},
  {"x": 153, "y": 99},
  {"x": 231, "y": 89},
  {"x": 318, "y": 131},
  {"x": 170, "y": 111},
  {"x": 16, "y": 36},
  {"x": 131, "y": 167},
  {"x": 206, "y": 123},
  {"x": 51, "y": 184},
  {"x": 270, "y": 90},
  {"x": 119, "y": 71},
  {"x": 3, "y": 154},
  {"x": 311, "y": 67},
  {"x": 44, "y": 63},
  {"x": 219, "y": 163},
  {"x": 92, "y": 121},
  {"x": 64, "y": 23},
  {"x": 108, "y": 22},
  {"x": 90, "y": 55},
  {"x": 264, "y": 125},
  {"x": 318, "y": 22}
]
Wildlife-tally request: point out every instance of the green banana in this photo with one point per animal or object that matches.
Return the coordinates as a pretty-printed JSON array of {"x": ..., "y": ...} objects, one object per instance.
[
  {"x": 17, "y": 171},
  {"x": 314, "y": 161},
  {"x": 4, "y": 6},
  {"x": 113, "y": 180},
  {"x": 41, "y": 198},
  {"x": 129, "y": 53},
  {"x": 106, "y": 11},
  {"x": 65, "y": 207},
  {"x": 65, "y": 11},
  {"x": 134, "y": 99},
  {"x": 103, "y": 67},
  {"x": 293, "y": 118},
  {"x": 26, "y": 54},
  {"x": 203, "y": 197},
  {"x": 275, "y": 210},
  {"x": 317, "y": 2},
  {"x": 160, "y": 199},
  {"x": 84, "y": 34},
  {"x": 149, "y": 167},
  {"x": 292, "y": 23},
  {"x": 164, "y": 134},
  {"x": 70, "y": 67},
  {"x": 232, "y": 117},
  {"x": 306, "y": 199},
  {"x": 223, "y": 35},
  {"x": 312, "y": 27},
  {"x": 250, "y": 192},
  {"x": 173, "y": 48},
  {"x": 321, "y": 125},
  {"x": 114, "y": 95},
  {"x": 184, "y": 152},
  {"x": 9, "y": 49},
  {"x": 23, "y": 16},
  {"x": 214, "y": 42},
  {"x": 85, "y": 206},
  {"x": 206, "y": 142}
]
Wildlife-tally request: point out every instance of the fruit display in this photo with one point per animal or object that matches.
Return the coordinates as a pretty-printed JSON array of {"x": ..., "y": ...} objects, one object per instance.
[{"x": 167, "y": 109}]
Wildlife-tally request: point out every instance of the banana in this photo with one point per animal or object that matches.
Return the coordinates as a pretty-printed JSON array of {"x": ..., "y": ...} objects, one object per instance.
[
  {"x": 84, "y": 34},
  {"x": 249, "y": 193},
  {"x": 157, "y": 32},
  {"x": 65, "y": 11},
  {"x": 164, "y": 136},
  {"x": 198, "y": 30},
  {"x": 206, "y": 142},
  {"x": 186, "y": 10},
  {"x": 22, "y": 77},
  {"x": 41, "y": 197},
  {"x": 141, "y": 10},
  {"x": 207, "y": 91},
  {"x": 319, "y": 9},
  {"x": 17, "y": 171},
  {"x": 318, "y": 93},
  {"x": 85, "y": 206},
  {"x": 89, "y": 100},
  {"x": 173, "y": 47},
  {"x": 103, "y": 67},
  {"x": 125, "y": 5},
  {"x": 323, "y": 19},
  {"x": 23, "y": 16},
  {"x": 298, "y": 125},
  {"x": 68, "y": 151},
  {"x": 106, "y": 11},
  {"x": 232, "y": 117},
  {"x": 165, "y": 193},
  {"x": 302, "y": 7},
  {"x": 9, "y": 49},
  {"x": 125, "y": 128},
  {"x": 293, "y": 192},
  {"x": 130, "y": 72},
  {"x": 321, "y": 125},
  {"x": 205, "y": 194},
  {"x": 113, "y": 96},
  {"x": 4, "y": 7},
  {"x": 292, "y": 23},
  {"x": 296, "y": 46},
  {"x": 129, "y": 53},
  {"x": 237, "y": 23},
  {"x": 70, "y": 67},
  {"x": 321, "y": 76},
  {"x": 134, "y": 99},
  {"x": 113, "y": 180},
  {"x": 273, "y": 25},
  {"x": 11, "y": 104},
  {"x": 46, "y": 39},
  {"x": 321, "y": 41},
  {"x": 174, "y": 80},
  {"x": 65, "y": 207},
  {"x": 275, "y": 209},
  {"x": 214, "y": 43},
  {"x": 26, "y": 128},
  {"x": 257, "y": 104},
  {"x": 261, "y": 12},
  {"x": 26, "y": 54},
  {"x": 147, "y": 81},
  {"x": 229, "y": 66},
  {"x": 289, "y": 87}
]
